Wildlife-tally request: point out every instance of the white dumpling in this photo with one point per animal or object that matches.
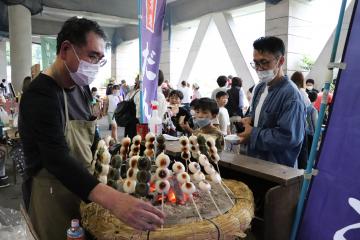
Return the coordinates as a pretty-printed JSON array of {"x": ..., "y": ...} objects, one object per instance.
[
  {"x": 209, "y": 169},
  {"x": 210, "y": 142},
  {"x": 203, "y": 160},
  {"x": 204, "y": 186},
  {"x": 105, "y": 157},
  {"x": 194, "y": 167},
  {"x": 193, "y": 140},
  {"x": 199, "y": 176},
  {"x": 183, "y": 177},
  {"x": 131, "y": 173},
  {"x": 149, "y": 152},
  {"x": 216, "y": 178},
  {"x": 150, "y": 137},
  {"x": 178, "y": 167},
  {"x": 103, "y": 179},
  {"x": 162, "y": 161},
  {"x": 183, "y": 140},
  {"x": 104, "y": 169},
  {"x": 162, "y": 186},
  {"x": 137, "y": 139},
  {"x": 133, "y": 161},
  {"x": 125, "y": 141},
  {"x": 213, "y": 150},
  {"x": 215, "y": 158},
  {"x": 129, "y": 186},
  {"x": 188, "y": 188},
  {"x": 185, "y": 155},
  {"x": 162, "y": 173}
]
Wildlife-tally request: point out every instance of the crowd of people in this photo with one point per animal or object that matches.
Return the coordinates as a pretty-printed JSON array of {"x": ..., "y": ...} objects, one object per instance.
[
  {"x": 275, "y": 119},
  {"x": 278, "y": 115}
]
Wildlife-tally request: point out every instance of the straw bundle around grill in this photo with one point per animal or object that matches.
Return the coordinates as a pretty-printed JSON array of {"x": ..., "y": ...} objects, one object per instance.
[{"x": 104, "y": 226}]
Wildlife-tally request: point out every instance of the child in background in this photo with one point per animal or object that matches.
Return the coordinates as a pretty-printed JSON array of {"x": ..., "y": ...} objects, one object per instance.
[
  {"x": 206, "y": 110},
  {"x": 179, "y": 115},
  {"x": 224, "y": 119}
]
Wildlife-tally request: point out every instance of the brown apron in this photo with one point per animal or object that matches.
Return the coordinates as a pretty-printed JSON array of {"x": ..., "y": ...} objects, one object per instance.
[{"x": 52, "y": 205}]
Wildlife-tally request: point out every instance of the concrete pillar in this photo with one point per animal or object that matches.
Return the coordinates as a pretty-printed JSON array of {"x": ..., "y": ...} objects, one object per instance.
[
  {"x": 165, "y": 55},
  {"x": 20, "y": 44},
  {"x": 113, "y": 65},
  {"x": 289, "y": 20},
  {"x": 3, "y": 63},
  {"x": 224, "y": 25}
]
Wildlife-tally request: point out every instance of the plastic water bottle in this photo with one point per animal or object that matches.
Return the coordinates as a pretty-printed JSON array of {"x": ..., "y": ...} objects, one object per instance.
[
  {"x": 75, "y": 232},
  {"x": 155, "y": 122}
]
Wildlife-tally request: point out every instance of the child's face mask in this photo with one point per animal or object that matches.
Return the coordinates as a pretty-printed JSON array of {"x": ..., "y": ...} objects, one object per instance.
[{"x": 202, "y": 122}]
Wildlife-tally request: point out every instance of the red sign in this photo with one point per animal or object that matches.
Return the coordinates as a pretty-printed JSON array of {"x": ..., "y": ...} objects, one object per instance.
[{"x": 150, "y": 14}]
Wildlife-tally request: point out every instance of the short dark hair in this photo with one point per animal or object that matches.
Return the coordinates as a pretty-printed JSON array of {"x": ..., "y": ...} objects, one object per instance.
[
  {"x": 160, "y": 78},
  {"x": 298, "y": 78},
  {"x": 312, "y": 96},
  {"x": 208, "y": 104},
  {"x": 236, "y": 82},
  {"x": 4, "y": 80},
  {"x": 75, "y": 30},
  {"x": 176, "y": 93},
  {"x": 115, "y": 87},
  {"x": 94, "y": 89},
  {"x": 194, "y": 103},
  {"x": 183, "y": 83},
  {"x": 221, "y": 94},
  {"x": 221, "y": 80},
  {"x": 310, "y": 81},
  {"x": 273, "y": 45}
]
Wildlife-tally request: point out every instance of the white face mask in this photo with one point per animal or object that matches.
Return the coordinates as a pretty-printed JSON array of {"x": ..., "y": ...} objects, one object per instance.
[
  {"x": 267, "y": 76},
  {"x": 309, "y": 88},
  {"x": 86, "y": 72}
]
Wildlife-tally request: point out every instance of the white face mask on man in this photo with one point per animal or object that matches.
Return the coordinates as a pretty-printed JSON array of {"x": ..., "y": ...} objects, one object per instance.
[
  {"x": 267, "y": 76},
  {"x": 86, "y": 72}
]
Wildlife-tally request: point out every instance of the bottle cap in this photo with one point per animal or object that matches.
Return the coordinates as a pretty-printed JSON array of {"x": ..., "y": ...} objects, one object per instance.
[
  {"x": 154, "y": 107},
  {"x": 75, "y": 223}
]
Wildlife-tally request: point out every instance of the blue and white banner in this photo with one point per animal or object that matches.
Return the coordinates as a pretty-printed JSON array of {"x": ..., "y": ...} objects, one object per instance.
[
  {"x": 153, "y": 13},
  {"x": 333, "y": 206}
]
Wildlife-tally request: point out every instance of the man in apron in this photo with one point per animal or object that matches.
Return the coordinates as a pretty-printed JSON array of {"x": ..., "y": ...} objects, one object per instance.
[{"x": 57, "y": 131}]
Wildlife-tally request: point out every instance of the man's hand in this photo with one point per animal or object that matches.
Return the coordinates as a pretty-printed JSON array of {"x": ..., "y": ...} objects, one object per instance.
[
  {"x": 245, "y": 135},
  {"x": 186, "y": 127},
  {"x": 246, "y": 120},
  {"x": 131, "y": 211}
]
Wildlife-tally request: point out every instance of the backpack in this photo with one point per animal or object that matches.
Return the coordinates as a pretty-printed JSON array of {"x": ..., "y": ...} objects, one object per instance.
[{"x": 125, "y": 112}]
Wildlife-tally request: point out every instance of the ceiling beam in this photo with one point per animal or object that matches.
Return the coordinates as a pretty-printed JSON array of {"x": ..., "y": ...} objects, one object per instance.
[{"x": 61, "y": 15}]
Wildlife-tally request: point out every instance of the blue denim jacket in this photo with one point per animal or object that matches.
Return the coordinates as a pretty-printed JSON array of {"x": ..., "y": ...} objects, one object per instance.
[{"x": 281, "y": 126}]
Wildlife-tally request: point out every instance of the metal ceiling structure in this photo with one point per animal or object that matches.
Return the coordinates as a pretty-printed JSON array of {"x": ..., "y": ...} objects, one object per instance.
[{"x": 118, "y": 17}]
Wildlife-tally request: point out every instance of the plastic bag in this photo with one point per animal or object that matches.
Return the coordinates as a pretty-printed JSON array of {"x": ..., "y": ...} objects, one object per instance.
[
  {"x": 12, "y": 225},
  {"x": 4, "y": 116}
]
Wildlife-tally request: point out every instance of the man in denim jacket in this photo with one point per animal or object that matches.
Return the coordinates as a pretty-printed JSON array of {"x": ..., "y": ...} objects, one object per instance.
[{"x": 275, "y": 128}]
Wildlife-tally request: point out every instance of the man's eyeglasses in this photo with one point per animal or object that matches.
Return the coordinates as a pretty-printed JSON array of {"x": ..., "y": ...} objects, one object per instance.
[
  {"x": 96, "y": 60},
  {"x": 263, "y": 64}
]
